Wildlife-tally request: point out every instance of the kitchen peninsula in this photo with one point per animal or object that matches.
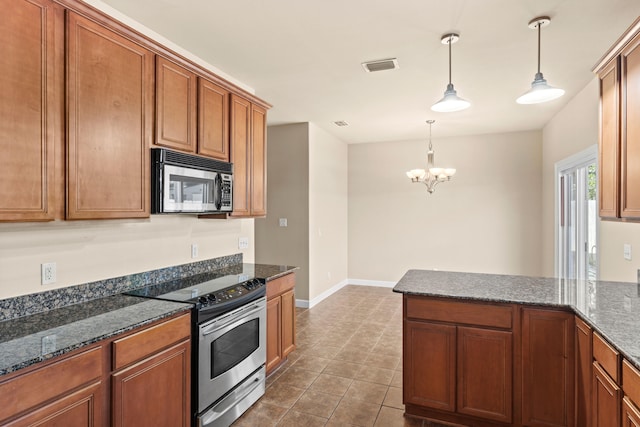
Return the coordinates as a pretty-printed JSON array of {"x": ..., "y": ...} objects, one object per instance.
[{"x": 491, "y": 350}]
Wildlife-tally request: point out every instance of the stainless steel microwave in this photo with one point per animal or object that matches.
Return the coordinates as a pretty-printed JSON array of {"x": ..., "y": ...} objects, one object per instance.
[{"x": 184, "y": 183}]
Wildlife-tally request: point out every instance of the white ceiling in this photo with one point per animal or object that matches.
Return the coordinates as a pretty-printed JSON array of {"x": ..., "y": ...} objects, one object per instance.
[{"x": 303, "y": 56}]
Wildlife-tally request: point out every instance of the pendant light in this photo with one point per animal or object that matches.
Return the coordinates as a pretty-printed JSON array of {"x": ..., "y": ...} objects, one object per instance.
[
  {"x": 540, "y": 91},
  {"x": 451, "y": 101}
]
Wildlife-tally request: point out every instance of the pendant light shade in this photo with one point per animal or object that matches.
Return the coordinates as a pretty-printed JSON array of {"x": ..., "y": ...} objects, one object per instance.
[
  {"x": 540, "y": 91},
  {"x": 450, "y": 101}
]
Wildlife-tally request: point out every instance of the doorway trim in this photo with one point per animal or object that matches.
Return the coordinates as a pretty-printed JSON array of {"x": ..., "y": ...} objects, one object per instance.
[{"x": 588, "y": 155}]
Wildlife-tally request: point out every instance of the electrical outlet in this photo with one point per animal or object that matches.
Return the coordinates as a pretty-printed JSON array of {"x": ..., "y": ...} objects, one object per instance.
[
  {"x": 48, "y": 344},
  {"x": 243, "y": 243},
  {"x": 194, "y": 250},
  {"x": 48, "y": 270},
  {"x": 627, "y": 251}
]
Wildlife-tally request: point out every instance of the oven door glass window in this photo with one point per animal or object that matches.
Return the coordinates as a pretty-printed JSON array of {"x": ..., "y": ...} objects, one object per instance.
[{"x": 235, "y": 346}]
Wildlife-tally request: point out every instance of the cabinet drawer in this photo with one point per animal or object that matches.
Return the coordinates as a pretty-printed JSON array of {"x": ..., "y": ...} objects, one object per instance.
[
  {"x": 631, "y": 382},
  {"x": 30, "y": 390},
  {"x": 280, "y": 285},
  {"x": 498, "y": 316},
  {"x": 607, "y": 357},
  {"x": 148, "y": 341}
]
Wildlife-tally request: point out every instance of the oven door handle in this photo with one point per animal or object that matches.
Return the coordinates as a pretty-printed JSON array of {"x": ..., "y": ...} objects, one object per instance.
[{"x": 236, "y": 319}]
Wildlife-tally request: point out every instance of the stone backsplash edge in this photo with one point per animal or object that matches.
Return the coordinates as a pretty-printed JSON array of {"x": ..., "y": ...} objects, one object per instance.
[{"x": 25, "y": 305}]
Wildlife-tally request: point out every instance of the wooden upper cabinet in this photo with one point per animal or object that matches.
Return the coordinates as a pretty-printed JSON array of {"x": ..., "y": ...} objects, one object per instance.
[
  {"x": 630, "y": 147},
  {"x": 31, "y": 109},
  {"x": 175, "y": 106},
  {"x": 249, "y": 158},
  {"x": 258, "y": 161},
  {"x": 609, "y": 147},
  {"x": 110, "y": 122},
  {"x": 213, "y": 120},
  {"x": 240, "y": 152}
]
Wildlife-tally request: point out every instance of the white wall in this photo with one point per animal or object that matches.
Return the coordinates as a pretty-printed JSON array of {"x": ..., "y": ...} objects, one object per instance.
[
  {"x": 573, "y": 129},
  {"x": 570, "y": 131},
  {"x": 327, "y": 211},
  {"x": 287, "y": 197},
  {"x": 486, "y": 219},
  {"x": 86, "y": 251}
]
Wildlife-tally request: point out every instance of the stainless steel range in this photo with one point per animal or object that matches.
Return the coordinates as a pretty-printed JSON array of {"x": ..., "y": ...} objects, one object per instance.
[{"x": 229, "y": 342}]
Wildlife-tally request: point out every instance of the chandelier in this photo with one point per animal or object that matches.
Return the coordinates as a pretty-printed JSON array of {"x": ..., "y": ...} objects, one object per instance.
[{"x": 432, "y": 176}]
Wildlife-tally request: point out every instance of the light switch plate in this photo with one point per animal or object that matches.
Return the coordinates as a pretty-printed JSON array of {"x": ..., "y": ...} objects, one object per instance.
[{"x": 283, "y": 222}]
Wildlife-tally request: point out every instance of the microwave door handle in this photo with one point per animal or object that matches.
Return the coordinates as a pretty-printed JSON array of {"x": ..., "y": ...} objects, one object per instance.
[{"x": 218, "y": 186}]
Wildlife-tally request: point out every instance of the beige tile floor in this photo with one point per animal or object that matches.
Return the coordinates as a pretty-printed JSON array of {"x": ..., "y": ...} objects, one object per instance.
[{"x": 346, "y": 370}]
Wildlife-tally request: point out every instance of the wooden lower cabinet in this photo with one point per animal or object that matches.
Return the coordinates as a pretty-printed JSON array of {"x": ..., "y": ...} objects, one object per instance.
[
  {"x": 274, "y": 333},
  {"x": 630, "y": 414},
  {"x": 606, "y": 399},
  {"x": 80, "y": 408},
  {"x": 456, "y": 372},
  {"x": 281, "y": 320},
  {"x": 485, "y": 373},
  {"x": 429, "y": 369},
  {"x": 584, "y": 360},
  {"x": 547, "y": 368},
  {"x": 147, "y": 384},
  {"x": 159, "y": 384},
  {"x": 66, "y": 392}
]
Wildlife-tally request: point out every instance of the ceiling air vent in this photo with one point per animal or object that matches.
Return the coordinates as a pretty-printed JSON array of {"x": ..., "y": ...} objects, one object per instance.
[
  {"x": 341, "y": 123},
  {"x": 380, "y": 65}
]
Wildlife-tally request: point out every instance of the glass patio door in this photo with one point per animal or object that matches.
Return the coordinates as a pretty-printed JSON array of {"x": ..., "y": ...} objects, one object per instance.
[{"x": 577, "y": 218}]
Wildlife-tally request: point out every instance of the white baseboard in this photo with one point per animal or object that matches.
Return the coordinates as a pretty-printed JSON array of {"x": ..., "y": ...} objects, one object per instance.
[{"x": 303, "y": 303}]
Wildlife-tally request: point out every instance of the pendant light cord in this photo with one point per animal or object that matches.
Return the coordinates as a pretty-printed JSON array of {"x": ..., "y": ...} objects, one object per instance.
[
  {"x": 539, "y": 32},
  {"x": 450, "y": 41}
]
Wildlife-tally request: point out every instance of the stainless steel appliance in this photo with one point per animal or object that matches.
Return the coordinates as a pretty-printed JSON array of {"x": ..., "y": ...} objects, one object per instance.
[
  {"x": 184, "y": 183},
  {"x": 229, "y": 341}
]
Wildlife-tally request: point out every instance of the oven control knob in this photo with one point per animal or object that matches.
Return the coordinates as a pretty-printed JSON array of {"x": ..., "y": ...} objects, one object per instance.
[
  {"x": 211, "y": 298},
  {"x": 203, "y": 300}
]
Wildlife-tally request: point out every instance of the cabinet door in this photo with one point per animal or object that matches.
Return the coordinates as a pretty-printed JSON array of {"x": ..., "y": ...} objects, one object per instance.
[
  {"x": 584, "y": 358},
  {"x": 110, "y": 117},
  {"x": 213, "y": 120},
  {"x": 274, "y": 333},
  {"x": 609, "y": 144},
  {"x": 78, "y": 409},
  {"x": 258, "y": 161},
  {"x": 175, "y": 106},
  {"x": 31, "y": 108},
  {"x": 606, "y": 395},
  {"x": 240, "y": 154},
  {"x": 547, "y": 368},
  {"x": 630, "y": 414},
  {"x": 160, "y": 384},
  {"x": 429, "y": 366},
  {"x": 630, "y": 149},
  {"x": 485, "y": 373},
  {"x": 288, "y": 322}
]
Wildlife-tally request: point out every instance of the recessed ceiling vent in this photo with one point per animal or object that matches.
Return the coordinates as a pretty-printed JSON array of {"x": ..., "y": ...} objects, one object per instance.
[
  {"x": 341, "y": 123},
  {"x": 380, "y": 65}
]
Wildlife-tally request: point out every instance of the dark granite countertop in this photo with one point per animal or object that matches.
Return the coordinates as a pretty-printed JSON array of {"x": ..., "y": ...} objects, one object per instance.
[
  {"x": 611, "y": 308},
  {"x": 32, "y": 339}
]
